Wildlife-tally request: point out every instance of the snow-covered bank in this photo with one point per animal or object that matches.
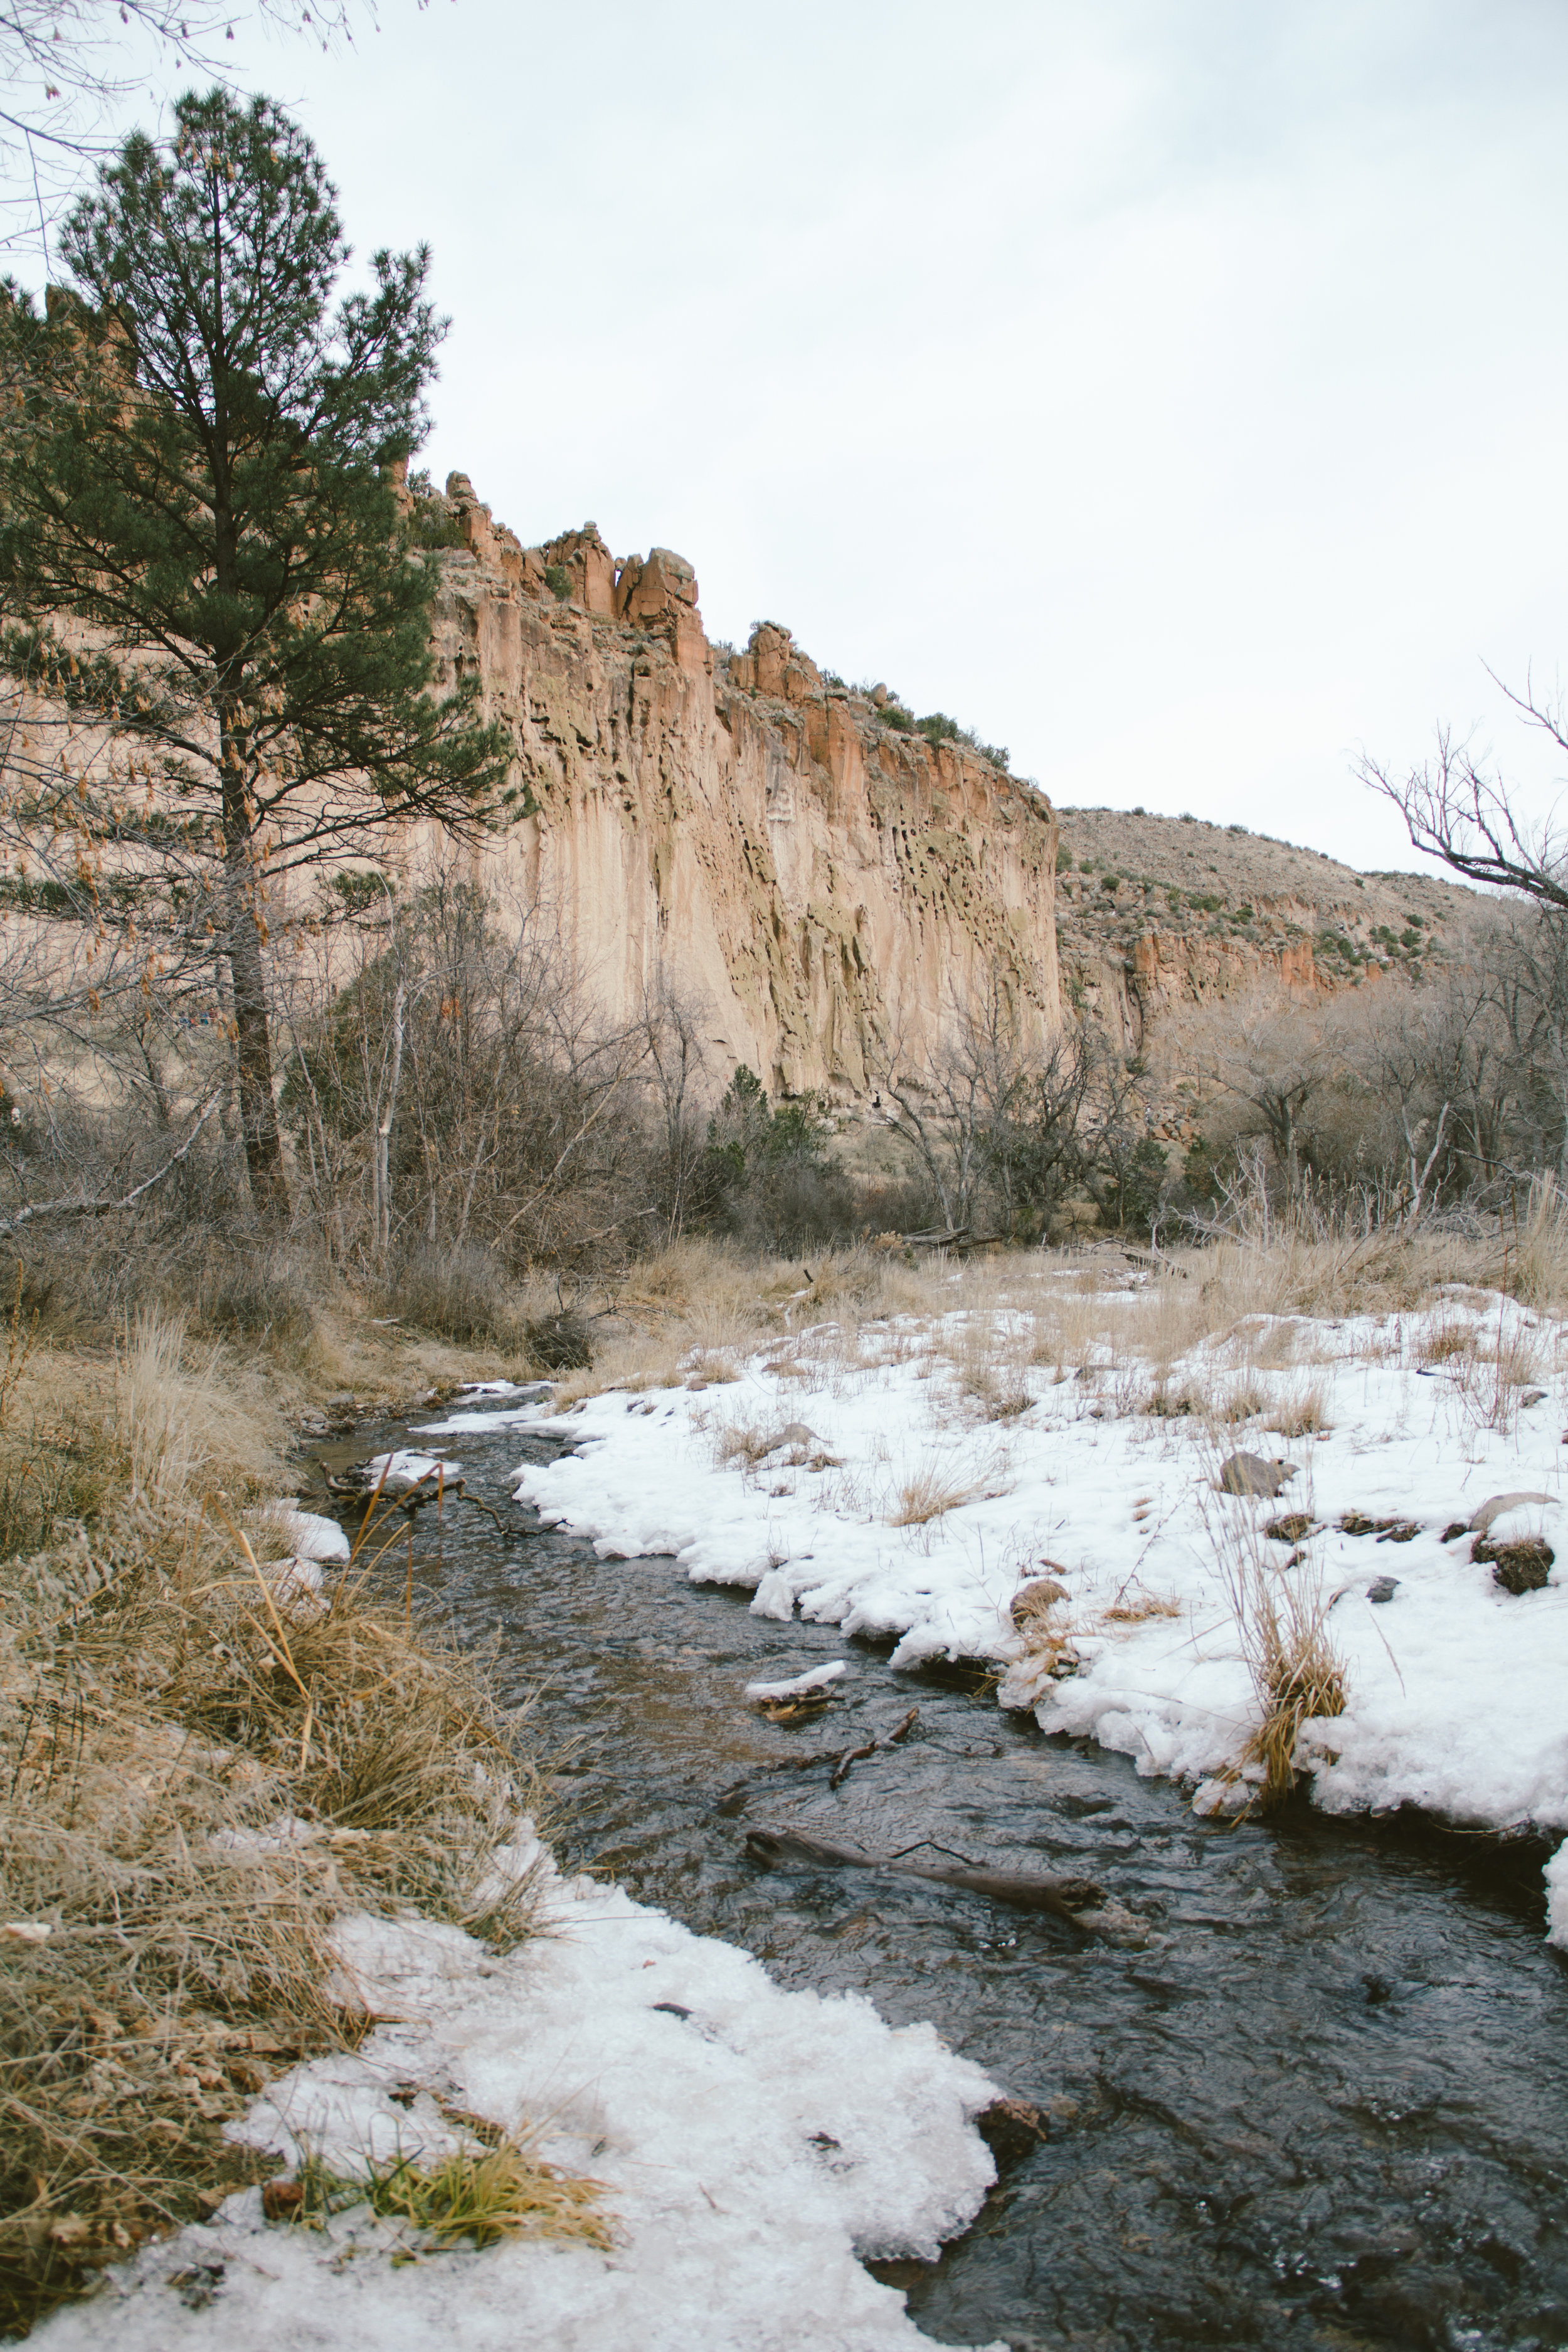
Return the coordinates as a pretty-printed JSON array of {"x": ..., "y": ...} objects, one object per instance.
[
  {"x": 1557, "y": 1899},
  {"x": 909, "y": 1478},
  {"x": 751, "y": 2143}
]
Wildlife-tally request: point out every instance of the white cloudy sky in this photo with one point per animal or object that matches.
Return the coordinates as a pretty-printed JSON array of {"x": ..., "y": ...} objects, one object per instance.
[{"x": 1173, "y": 390}]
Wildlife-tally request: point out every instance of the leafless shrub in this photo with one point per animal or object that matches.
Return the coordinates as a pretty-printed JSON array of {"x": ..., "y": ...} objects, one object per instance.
[{"x": 458, "y": 1294}]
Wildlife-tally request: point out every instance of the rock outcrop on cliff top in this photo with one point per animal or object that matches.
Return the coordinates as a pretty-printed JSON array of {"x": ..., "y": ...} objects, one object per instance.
[{"x": 740, "y": 829}]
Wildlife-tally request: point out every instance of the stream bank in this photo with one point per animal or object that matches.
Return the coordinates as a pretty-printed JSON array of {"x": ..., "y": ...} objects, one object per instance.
[{"x": 1327, "y": 2104}]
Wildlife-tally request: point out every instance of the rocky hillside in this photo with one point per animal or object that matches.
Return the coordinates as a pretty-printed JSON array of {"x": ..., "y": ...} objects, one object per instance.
[
  {"x": 1157, "y": 913},
  {"x": 829, "y": 883}
]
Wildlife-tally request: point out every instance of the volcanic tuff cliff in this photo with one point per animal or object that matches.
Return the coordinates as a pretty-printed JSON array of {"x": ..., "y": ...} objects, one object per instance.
[{"x": 738, "y": 828}]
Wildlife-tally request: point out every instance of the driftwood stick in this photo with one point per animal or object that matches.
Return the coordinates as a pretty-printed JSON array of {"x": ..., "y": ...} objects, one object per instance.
[
  {"x": 840, "y": 1772},
  {"x": 840, "y": 1759}
]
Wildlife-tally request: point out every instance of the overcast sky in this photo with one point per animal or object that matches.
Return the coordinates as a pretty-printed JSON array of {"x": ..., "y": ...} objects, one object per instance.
[{"x": 1171, "y": 390}]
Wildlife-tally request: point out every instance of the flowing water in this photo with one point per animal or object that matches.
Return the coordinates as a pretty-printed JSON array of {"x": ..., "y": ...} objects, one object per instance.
[{"x": 1326, "y": 2104}]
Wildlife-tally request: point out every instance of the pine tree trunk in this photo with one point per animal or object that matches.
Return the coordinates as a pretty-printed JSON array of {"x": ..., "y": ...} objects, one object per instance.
[{"x": 253, "y": 1045}]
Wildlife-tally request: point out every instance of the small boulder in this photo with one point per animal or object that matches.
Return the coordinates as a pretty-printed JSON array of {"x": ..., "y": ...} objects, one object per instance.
[
  {"x": 1037, "y": 1600},
  {"x": 1249, "y": 1473},
  {"x": 1496, "y": 1505},
  {"x": 1011, "y": 2128},
  {"x": 1516, "y": 1566}
]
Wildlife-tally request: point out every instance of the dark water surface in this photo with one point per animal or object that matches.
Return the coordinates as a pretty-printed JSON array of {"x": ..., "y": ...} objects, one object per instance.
[{"x": 1326, "y": 2106}]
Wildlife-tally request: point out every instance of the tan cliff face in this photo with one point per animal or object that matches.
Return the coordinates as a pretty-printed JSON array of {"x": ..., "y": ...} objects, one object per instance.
[{"x": 738, "y": 830}]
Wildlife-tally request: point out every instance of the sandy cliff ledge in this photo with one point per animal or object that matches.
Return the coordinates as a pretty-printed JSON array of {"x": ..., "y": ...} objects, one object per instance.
[{"x": 833, "y": 891}]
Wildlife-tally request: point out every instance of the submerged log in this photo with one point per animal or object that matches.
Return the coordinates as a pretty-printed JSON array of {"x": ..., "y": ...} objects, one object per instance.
[{"x": 1062, "y": 1897}]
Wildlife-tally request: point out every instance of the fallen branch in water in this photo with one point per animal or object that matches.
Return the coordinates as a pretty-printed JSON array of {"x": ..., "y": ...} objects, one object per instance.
[
  {"x": 851, "y": 1755},
  {"x": 854, "y": 1755},
  {"x": 840, "y": 1758},
  {"x": 1062, "y": 1897}
]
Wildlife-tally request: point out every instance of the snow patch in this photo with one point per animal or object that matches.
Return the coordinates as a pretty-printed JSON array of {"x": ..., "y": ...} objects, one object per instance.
[
  {"x": 1557, "y": 1899},
  {"x": 815, "y": 1680},
  {"x": 752, "y": 2142},
  {"x": 1454, "y": 1692}
]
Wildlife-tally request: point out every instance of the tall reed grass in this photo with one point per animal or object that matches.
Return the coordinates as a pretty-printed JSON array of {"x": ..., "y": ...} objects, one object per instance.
[{"x": 196, "y": 1776}]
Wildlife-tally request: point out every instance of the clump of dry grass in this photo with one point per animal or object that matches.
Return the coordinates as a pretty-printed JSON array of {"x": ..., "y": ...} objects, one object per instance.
[
  {"x": 1535, "y": 1251},
  {"x": 930, "y": 1495},
  {"x": 1244, "y": 1400},
  {"x": 501, "y": 2188},
  {"x": 1297, "y": 1674},
  {"x": 193, "y": 1781},
  {"x": 1497, "y": 1364},
  {"x": 1445, "y": 1340},
  {"x": 1168, "y": 1403},
  {"x": 1304, "y": 1412},
  {"x": 1141, "y": 1608}
]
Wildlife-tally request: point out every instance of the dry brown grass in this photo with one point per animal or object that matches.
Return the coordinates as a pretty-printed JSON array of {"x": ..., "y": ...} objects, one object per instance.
[
  {"x": 699, "y": 1309},
  {"x": 1141, "y": 1608},
  {"x": 1281, "y": 1617},
  {"x": 692, "y": 1314},
  {"x": 193, "y": 1780},
  {"x": 747, "y": 1442},
  {"x": 499, "y": 2188},
  {"x": 930, "y": 1495},
  {"x": 1444, "y": 1339},
  {"x": 1302, "y": 1412},
  {"x": 1246, "y": 1398}
]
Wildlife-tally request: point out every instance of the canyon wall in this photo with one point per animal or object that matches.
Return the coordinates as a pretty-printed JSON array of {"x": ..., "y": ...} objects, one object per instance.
[{"x": 828, "y": 890}]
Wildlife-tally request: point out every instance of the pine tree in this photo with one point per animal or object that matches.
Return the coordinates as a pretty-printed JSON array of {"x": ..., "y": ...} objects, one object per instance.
[{"x": 203, "y": 564}]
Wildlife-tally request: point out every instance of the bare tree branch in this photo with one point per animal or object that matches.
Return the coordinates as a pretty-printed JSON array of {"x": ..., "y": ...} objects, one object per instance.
[
  {"x": 64, "y": 63},
  {"x": 78, "y": 1207},
  {"x": 1462, "y": 813}
]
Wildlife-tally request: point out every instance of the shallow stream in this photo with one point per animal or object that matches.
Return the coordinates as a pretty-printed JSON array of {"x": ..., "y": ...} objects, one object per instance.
[{"x": 1325, "y": 2106}]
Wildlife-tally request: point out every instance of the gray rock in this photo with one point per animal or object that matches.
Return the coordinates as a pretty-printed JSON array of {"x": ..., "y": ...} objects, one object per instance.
[
  {"x": 795, "y": 1433},
  {"x": 1249, "y": 1473},
  {"x": 1496, "y": 1505},
  {"x": 1384, "y": 1590}
]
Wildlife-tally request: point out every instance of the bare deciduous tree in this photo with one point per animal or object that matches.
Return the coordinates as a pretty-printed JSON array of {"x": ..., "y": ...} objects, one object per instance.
[
  {"x": 63, "y": 63},
  {"x": 995, "y": 1123},
  {"x": 1274, "y": 1059},
  {"x": 1462, "y": 813}
]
